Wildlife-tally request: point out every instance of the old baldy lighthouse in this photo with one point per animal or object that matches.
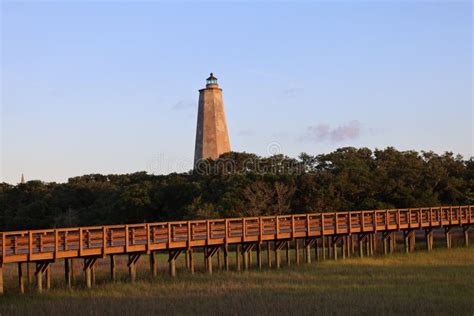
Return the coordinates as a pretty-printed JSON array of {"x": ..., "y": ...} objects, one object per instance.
[{"x": 212, "y": 138}]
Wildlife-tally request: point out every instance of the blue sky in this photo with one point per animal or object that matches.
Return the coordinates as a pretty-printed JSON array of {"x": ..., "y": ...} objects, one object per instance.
[{"x": 112, "y": 87}]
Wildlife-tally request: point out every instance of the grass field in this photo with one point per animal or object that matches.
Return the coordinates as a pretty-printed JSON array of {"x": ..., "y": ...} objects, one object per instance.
[{"x": 440, "y": 282}]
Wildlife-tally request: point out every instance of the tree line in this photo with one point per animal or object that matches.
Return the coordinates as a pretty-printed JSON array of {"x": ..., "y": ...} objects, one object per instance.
[{"x": 243, "y": 184}]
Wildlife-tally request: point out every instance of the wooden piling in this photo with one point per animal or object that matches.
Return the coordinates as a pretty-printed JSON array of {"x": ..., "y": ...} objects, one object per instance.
[
  {"x": 154, "y": 263},
  {"x": 87, "y": 273},
  {"x": 269, "y": 254},
  {"x": 361, "y": 246},
  {"x": 448, "y": 237},
  {"x": 113, "y": 274},
  {"x": 48, "y": 277},
  {"x": 406, "y": 240},
  {"x": 67, "y": 273},
  {"x": 209, "y": 260},
  {"x": 277, "y": 255},
  {"x": 259, "y": 256},
  {"x": 245, "y": 257},
  {"x": 308, "y": 251},
  {"x": 28, "y": 276},
  {"x": 316, "y": 249},
  {"x": 393, "y": 242},
  {"x": 186, "y": 255},
  {"x": 288, "y": 253},
  {"x": 374, "y": 244},
  {"x": 348, "y": 245},
  {"x": 72, "y": 270},
  {"x": 132, "y": 269},
  {"x": 191, "y": 260},
  {"x": 93, "y": 275},
  {"x": 353, "y": 244},
  {"x": 250, "y": 255},
  {"x": 226, "y": 257},
  {"x": 21, "y": 282},
  {"x": 237, "y": 257},
  {"x": 172, "y": 265},
  {"x": 323, "y": 247},
  {"x": 2, "y": 290},
  {"x": 429, "y": 240},
  {"x": 343, "y": 246},
  {"x": 330, "y": 251},
  {"x": 39, "y": 278},
  {"x": 466, "y": 236}
]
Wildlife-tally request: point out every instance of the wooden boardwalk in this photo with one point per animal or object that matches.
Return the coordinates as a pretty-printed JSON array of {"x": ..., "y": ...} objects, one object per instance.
[{"x": 321, "y": 231}]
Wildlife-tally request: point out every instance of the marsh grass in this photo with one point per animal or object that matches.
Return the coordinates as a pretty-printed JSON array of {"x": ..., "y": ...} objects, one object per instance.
[{"x": 440, "y": 282}]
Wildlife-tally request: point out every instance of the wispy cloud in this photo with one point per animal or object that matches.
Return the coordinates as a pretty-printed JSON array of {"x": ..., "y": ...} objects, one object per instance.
[
  {"x": 183, "y": 105},
  {"x": 325, "y": 133}
]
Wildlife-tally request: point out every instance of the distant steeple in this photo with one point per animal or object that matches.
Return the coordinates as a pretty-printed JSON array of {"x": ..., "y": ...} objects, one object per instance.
[{"x": 22, "y": 181}]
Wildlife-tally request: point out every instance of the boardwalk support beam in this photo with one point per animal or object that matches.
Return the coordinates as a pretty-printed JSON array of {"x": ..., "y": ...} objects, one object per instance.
[
  {"x": 447, "y": 232},
  {"x": 308, "y": 243},
  {"x": 173, "y": 255},
  {"x": 211, "y": 251},
  {"x": 132, "y": 266},
  {"x": 1, "y": 279},
  {"x": 41, "y": 267},
  {"x": 279, "y": 244},
  {"x": 153, "y": 264},
  {"x": 269, "y": 254},
  {"x": 429, "y": 239},
  {"x": 21, "y": 282},
  {"x": 335, "y": 240},
  {"x": 88, "y": 270},
  {"x": 68, "y": 272},
  {"x": 466, "y": 235}
]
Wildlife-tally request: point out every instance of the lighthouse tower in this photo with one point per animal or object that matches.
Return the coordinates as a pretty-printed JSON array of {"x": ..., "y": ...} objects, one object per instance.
[{"x": 212, "y": 138}]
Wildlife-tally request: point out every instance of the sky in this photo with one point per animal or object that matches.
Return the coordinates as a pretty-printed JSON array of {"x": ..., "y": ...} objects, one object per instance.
[{"x": 112, "y": 86}]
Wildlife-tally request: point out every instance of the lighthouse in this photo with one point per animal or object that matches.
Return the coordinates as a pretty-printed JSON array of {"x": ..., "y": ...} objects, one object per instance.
[{"x": 212, "y": 139}]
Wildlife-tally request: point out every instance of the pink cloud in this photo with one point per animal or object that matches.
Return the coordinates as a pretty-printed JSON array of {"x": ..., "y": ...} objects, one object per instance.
[{"x": 323, "y": 132}]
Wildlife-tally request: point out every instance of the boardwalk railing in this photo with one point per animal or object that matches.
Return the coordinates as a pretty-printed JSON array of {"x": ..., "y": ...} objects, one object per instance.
[
  {"x": 51, "y": 244},
  {"x": 318, "y": 230}
]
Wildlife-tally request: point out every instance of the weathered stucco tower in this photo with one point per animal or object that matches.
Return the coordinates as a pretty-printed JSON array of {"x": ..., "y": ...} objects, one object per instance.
[{"x": 212, "y": 138}]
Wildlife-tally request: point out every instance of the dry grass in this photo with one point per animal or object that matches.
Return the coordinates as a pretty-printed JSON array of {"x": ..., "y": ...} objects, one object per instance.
[{"x": 441, "y": 282}]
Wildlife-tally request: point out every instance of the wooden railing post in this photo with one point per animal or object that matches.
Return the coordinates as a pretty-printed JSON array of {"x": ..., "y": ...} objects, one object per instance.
[
  {"x": 350, "y": 223},
  {"x": 104, "y": 241},
  {"x": 127, "y": 237},
  {"x": 308, "y": 226},
  {"x": 56, "y": 243},
  {"x": 4, "y": 236},
  {"x": 277, "y": 227},
  {"x": 30, "y": 245},
  {"x": 322, "y": 224},
  {"x": 244, "y": 229},
  {"x": 292, "y": 226},
  {"x": 80, "y": 242},
  {"x": 148, "y": 238},
  {"x": 188, "y": 244}
]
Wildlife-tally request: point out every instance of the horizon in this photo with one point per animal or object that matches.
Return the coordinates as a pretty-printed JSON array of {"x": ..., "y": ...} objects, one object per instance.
[{"x": 119, "y": 94}]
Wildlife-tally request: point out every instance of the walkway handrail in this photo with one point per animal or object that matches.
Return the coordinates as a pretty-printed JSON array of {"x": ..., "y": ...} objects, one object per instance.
[{"x": 50, "y": 244}]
